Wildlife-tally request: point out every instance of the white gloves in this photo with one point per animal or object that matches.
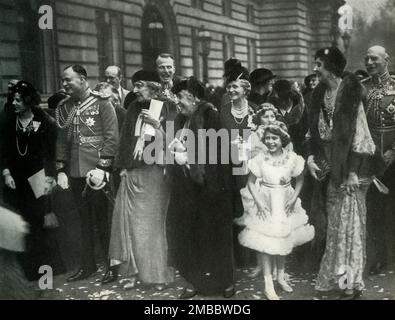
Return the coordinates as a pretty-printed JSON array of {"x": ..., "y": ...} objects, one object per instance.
[
  {"x": 95, "y": 178},
  {"x": 63, "y": 181},
  {"x": 9, "y": 181}
]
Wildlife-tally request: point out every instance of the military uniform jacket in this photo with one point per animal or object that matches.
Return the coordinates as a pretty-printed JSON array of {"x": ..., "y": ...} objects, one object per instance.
[
  {"x": 88, "y": 134},
  {"x": 380, "y": 111}
]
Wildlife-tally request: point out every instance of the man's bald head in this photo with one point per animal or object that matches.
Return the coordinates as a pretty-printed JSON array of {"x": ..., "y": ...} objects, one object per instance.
[
  {"x": 376, "y": 61},
  {"x": 113, "y": 76}
]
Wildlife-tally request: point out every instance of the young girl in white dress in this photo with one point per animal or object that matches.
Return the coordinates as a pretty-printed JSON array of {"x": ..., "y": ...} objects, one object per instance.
[{"x": 274, "y": 219}]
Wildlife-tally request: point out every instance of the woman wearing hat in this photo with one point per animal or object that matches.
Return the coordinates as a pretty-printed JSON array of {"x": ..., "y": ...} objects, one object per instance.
[
  {"x": 236, "y": 116},
  {"x": 262, "y": 81},
  {"x": 292, "y": 110},
  {"x": 199, "y": 217},
  {"x": 28, "y": 167},
  {"x": 340, "y": 151},
  {"x": 138, "y": 234}
]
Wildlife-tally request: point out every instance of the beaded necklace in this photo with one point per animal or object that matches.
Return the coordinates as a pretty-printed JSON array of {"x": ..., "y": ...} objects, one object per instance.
[{"x": 19, "y": 126}]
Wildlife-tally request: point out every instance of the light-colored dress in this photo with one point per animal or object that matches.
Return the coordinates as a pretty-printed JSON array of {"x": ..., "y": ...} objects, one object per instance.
[
  {"x": 346, "y": 214},
  {"x": 276, "y": 232}
]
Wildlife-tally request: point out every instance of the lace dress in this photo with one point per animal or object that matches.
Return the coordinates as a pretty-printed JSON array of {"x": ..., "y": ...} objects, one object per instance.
[{"x": 280, "y": 231}]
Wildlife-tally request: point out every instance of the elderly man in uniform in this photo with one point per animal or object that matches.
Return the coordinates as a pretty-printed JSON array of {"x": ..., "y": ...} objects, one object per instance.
[
  {"x": 381, "y": 119},
  {"x": 113, "y": 76},
  {"x": 86, "y": 146}
]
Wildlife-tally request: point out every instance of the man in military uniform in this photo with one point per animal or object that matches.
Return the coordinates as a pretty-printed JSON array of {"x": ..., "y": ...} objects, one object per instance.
[
  {"x": 86, "y": 146},
  {"x": 380, "y": 112}
]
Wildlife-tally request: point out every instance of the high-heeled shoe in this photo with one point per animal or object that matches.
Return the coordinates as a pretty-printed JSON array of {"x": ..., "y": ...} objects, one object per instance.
[
  {"x": 229, "y": 292},
  {"x": 131, "y": 284},
  {"x": 350, "y": 294},
  {"x": 188, "y": 293},
  {"x": 160, "y": 286}
]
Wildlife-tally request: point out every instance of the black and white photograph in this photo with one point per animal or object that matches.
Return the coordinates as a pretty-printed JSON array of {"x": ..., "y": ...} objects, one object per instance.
[{"x": 230, "y": 151}]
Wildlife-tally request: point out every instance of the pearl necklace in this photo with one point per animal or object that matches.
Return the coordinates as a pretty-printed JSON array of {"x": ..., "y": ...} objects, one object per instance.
[{"x": 22, "y": 126}]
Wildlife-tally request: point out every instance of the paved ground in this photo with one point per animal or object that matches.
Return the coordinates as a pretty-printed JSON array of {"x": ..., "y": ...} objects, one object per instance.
[{"x": 378, "y": 287}]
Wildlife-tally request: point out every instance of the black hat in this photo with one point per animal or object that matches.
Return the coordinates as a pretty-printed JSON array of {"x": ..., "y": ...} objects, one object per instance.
[
  {"x": 230, "y": 64},
  {"x": 261, "y": 75},
  {"x": 28, "y": 92},
  {"x": 334, "y": 60},
  {"x": 54, "y": 100},
  {"x": 145, "y": 75},
  {"x": 190, "y": 84},
  {"x": 237, "y": 73}
]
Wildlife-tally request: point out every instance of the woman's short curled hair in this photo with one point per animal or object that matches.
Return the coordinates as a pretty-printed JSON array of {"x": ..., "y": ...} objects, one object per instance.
[
  {"x": 333, "y": 59},
  {"x": 262, "y": 109},
  {"x": 245, "y": 84},
  {"x": 280, "y": 129},
  {"x": 29, "y": 94}
]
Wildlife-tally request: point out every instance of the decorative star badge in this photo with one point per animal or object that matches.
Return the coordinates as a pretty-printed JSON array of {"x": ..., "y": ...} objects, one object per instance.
[{"x": 90, "y": 122}]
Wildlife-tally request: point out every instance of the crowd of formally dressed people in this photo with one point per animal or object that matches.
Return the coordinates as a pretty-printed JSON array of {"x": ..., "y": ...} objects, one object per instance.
[{"x": 309, "y": 169}]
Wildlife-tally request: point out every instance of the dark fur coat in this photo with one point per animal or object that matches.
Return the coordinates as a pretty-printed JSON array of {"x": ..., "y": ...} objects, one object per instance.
[{"x": 343, "y": 160}]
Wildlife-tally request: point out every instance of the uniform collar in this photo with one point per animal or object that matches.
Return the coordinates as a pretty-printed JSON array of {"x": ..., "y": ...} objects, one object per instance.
[{"x": 382, "y": 79}]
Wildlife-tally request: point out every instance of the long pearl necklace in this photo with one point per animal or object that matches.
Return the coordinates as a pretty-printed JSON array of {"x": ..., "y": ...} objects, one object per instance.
[{"x": 22, "y": 125}]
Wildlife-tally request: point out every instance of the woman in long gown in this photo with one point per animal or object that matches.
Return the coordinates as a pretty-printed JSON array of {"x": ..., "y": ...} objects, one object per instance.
[
  {"x": 138, "y": 233},
  {"x": 341, "y": 147}
]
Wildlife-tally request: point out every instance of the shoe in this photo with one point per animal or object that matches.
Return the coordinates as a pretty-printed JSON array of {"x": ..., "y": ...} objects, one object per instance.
[
  {"x": 229, "y": 292},
  {"x": 160, "y": 287},
  {"x": 188, "y": 293},
  {"x": 285, "y": 286},
  {"x": 377, "y": 268},
  {"x": 351, "y": 295},
  {"x": 131, "y": 284},
  {"x": 80, "y": 275},
  {"x": 271, "y": 294},
  {"x": 255, "y": 272},
  {"x": 110, "y": 276}
]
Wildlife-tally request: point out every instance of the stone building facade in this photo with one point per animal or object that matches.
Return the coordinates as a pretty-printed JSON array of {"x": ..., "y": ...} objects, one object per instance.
[{"x": 278, "y": 34}]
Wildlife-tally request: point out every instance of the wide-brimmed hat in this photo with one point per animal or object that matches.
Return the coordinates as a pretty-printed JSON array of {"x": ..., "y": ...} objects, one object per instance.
[{"x": 261, "y": 75}]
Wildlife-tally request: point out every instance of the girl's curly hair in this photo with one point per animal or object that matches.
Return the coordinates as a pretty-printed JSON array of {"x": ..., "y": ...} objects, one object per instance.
[
  {"x": 262, "y": 109},
  {"x": 280, "y": 129}
]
